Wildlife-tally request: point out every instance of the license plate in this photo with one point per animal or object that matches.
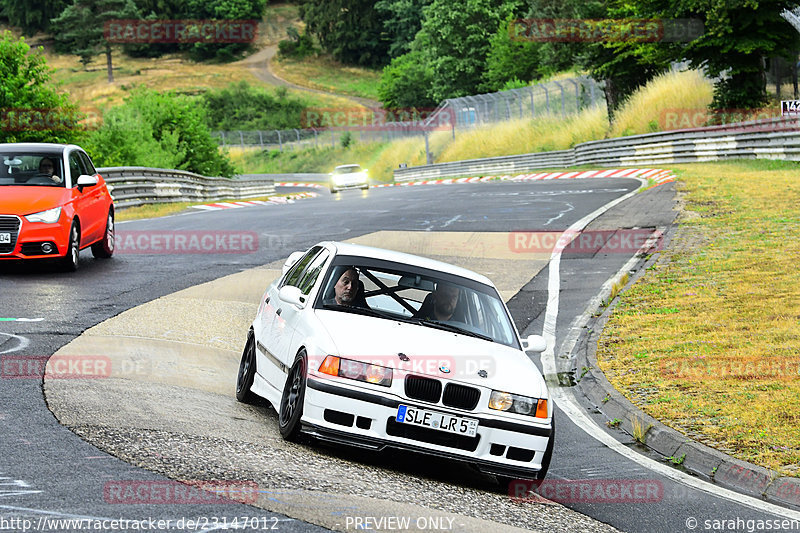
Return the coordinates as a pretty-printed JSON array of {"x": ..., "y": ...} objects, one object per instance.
[
  {"x": 5, "y": 238},
  {"x": 437, "y": 421}
]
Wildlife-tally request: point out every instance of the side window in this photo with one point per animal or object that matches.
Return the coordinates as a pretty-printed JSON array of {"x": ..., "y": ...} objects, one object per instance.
[
  {"x": 75, "y": 167},
  {"x": 87, "y": 165},
  {"x": 295, "y": 273},
  {"x": 310, "y": 275}
]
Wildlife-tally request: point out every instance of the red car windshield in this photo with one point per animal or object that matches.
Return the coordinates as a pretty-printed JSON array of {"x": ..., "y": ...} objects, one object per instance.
[{"x": 35, "y": 169}]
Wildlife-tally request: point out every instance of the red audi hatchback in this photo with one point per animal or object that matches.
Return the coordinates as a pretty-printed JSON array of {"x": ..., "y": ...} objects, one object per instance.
[{"x": 53, "y": 204}]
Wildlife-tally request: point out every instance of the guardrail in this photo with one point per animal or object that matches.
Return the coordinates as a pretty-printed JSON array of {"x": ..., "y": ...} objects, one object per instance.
[
  {"x": 132, "y": 186},
  {"x": 758, "y": 139}
]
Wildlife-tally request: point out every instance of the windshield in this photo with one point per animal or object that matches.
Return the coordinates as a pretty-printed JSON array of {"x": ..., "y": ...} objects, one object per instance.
[
  {"x": 347, "y": 170},
  {"x": 35, "y": 169},
  {"x": 420, "y": 296}
]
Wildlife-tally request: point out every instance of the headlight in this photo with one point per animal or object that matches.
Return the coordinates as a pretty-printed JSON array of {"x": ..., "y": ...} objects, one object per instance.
[
  {"x": 50, "y": 216},
  {"x": 515, "y": 403},
  {"x": 347, "y": 368}
]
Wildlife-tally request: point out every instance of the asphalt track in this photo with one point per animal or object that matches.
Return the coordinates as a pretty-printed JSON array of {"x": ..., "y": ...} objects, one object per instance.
[{"x": 199, "y": 433}]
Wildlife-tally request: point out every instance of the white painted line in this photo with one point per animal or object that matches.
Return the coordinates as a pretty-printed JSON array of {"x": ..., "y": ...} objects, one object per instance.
[
  {"x": 23, "y": 342},
  {"x": 566, "y": 401}
]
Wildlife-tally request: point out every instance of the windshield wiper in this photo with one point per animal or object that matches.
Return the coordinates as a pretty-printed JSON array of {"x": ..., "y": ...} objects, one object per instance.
[{"x": 450, "y": 327}]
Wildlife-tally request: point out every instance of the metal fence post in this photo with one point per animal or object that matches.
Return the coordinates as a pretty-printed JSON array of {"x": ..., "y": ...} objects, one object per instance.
[
  {"x": 546, "y": 98},
  {"x": 280, "y": 141}
]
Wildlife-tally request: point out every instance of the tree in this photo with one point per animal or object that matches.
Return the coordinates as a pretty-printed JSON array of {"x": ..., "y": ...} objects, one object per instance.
[
  {"x": 459, "y": 34},
  {"x": 352, "y": 31},
  {"x": 402, "y": 21},
  {"x": 222, "y": 10},
  {"x": 739, "y": 36},
  {"x": 81, "y": 28},
  {"x": 30, "y": 108},
  {"x": 509, "y": 60},
  {"x": 31, "y": 16},
  {"x": 407, "y": 82}
]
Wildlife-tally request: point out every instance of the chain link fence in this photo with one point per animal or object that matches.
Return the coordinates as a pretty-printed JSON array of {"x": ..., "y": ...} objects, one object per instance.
[
  {"x": 561, "y": 97},
  {"x": 296, "y": 139}
]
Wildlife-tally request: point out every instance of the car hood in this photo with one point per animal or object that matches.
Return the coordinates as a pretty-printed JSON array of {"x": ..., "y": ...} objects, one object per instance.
[
  {"x": 28, "y": 199},
  {"x": 380, "y": 341}
]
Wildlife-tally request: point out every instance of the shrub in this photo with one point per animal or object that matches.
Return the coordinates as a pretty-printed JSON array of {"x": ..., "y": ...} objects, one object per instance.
[
  {"x": 161, "y": 130},
  {"x": 243, "y": 107}
]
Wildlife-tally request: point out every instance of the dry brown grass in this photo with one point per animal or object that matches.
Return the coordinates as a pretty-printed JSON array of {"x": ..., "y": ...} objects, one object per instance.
[{"x": 709, "y": 340}]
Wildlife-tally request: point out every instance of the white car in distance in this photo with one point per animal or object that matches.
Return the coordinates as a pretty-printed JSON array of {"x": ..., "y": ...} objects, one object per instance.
[
  {"x": 348, "y": 177},
  {"x": 375, "y": 348}
]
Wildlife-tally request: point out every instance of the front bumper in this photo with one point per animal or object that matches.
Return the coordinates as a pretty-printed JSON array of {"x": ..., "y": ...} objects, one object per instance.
[
  {"x": 366, "y": 419},
  {"x": 29, "y": 236},
  {"x": 354, "y": 182}
]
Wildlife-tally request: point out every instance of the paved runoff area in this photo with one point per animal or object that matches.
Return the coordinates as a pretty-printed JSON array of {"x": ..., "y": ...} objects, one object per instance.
[{"x": 166, "y": 403}]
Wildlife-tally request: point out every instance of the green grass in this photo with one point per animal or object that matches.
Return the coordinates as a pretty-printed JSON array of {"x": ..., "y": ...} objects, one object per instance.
[
  {"x": 312, "y": 160},
  {"x": 324, "y": 73},
  {"x": 718, "y": 317}
]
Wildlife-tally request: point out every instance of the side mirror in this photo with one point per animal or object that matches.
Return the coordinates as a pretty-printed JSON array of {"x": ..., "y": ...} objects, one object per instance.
[
  {"x": 84, "y": 180},
  {"x": 294, "y": 258},
  {"x": 292, "y": 295},
  {"x": 534, "y": 343}
]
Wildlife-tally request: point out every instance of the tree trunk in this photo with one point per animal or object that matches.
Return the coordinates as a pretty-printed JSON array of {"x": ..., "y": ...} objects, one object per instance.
[{"x": 108, "y": 63}]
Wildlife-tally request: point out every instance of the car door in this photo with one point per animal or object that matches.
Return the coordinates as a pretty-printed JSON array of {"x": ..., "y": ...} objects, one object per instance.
[
  {"x": 88, "y": 202},
  {"x": 274, "y": 353},
  {"x": 100, "y": 198}
]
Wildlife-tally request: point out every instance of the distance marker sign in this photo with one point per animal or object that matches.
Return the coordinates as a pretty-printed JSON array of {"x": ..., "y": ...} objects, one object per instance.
[{"x": 790, "y": 108}]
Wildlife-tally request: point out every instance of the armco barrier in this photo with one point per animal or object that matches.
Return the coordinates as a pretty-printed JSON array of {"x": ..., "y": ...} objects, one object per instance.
[
  {"x": 759, "y": 139},
  {"x": 132, "y": 186}
]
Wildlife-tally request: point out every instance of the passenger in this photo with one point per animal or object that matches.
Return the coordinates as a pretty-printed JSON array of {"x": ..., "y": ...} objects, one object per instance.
[{"x": 441, "y": 304}]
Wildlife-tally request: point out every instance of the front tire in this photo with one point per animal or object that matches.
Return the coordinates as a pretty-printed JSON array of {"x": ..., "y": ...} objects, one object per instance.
[
  {"x": 103, "y": 249},
  {"x": 247, "y": 370},
  {"x": 294, "y": 393},
  {"x": 70, "y": 261}
]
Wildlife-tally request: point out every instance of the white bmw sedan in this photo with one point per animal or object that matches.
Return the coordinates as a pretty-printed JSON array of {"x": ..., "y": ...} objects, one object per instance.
[{"x": 375, "y": 348}]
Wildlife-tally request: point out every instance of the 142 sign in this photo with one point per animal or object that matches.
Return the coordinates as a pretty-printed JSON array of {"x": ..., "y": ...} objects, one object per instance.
[{"x": 790, "y": 107}]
